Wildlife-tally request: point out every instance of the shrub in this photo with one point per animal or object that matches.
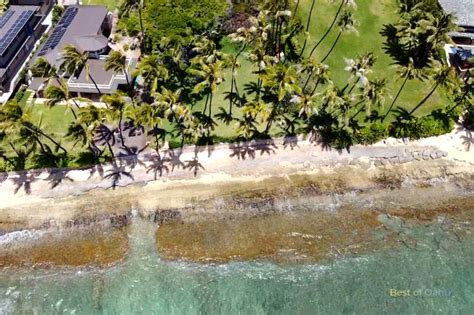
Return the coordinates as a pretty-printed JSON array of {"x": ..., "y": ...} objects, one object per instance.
[
  {"x": 57, "y": 13},
  {"x": 370, "y": 134}
]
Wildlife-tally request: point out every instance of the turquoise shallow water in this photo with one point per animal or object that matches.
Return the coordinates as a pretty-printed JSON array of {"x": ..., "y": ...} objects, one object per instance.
[{"x": 441, "y": 264}]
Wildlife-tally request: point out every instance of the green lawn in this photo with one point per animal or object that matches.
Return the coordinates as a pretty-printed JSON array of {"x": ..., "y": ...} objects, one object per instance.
[
  {"x": 111, "y": 4},
  {"x": 371, "y": 14}
]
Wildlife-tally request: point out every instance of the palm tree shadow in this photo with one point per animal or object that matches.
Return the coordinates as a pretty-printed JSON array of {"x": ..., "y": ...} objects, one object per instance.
[
  {"x": 118, "y": 172},
  {"x": 194, "y": 164},
  {"x": 96, "y": 169},
  {"x": 24, "y": 180},
  {"x": 56, "y": 177},
  {"x": 3, "y": 177},
  {"x": 468, "y": 138},
  {"x": 290, "y": 141},
  {"x": 175, "y": 159},
  {"x": 241, "y": 151},
  {"x": 158, "y": 166}
]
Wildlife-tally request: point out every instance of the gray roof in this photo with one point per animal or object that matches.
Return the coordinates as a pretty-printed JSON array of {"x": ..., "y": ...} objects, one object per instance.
[
  {"x": 16, "y": 9},
  {"x": 462, "y": 9},
  {"x": 96, "y": 71},
  {"x": 84, "y": 32}
]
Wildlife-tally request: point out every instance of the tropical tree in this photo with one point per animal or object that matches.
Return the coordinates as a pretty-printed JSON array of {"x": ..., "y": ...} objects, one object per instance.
[
  {"x": 117, "y": 62},
  {"x": 359, "y": 69},
  {"x": 442, "y": 75},
  {"x": 349, "y": 3},
  {"x": 211, "y": 75},
  {"x": 60, "y": 93},
  {"x": 152, "y": 70},
  {"x": 346, "y": 23},
  {"x": 407, "y": 72},
  {"x": 74, "y": 61},
  {"x": 127, "y": 7}
]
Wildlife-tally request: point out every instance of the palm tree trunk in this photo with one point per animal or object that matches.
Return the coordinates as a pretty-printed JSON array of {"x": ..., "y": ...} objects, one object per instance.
[
  {"x": 315, "y": 86},
  {"x": 95, "y": 84},
  {"x": 296, "y": 8},
  {"x": 396, "y": 98},
  {"x": 329, "y": 29},
  {"x": 233, "y": 82},
  {"x": 333, "y": 46},
  {"x": 423, "y": 101},
  {"x": 205, "y": 104},
  {"x": 359, "y": 110},
  {"x": 210, "y": 105},
  {"x": 39, "y": 131},
  {"x": 141, "y": 27},
  {"x": 308, "y": 21}
]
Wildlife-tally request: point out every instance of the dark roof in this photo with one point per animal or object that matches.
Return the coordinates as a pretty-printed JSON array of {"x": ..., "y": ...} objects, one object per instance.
[
  {"x": 11, "y": 15},
  {"x": 96, "y": 71},
  {"x": 12, "y": 22},
  {"x": 462, "y": 9},
  {"x": 82, "y": 29}
]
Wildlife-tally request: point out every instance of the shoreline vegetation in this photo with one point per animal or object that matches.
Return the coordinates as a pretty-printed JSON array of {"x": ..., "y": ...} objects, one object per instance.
[
  {"x": 258, "y": 70},
  {"x": 341, "y": 162},
  {"x": 420, "y": 181}
]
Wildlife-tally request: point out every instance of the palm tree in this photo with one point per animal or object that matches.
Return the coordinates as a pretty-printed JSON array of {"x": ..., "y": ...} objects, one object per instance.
[
  {"x": 350, "y": 3},
  {"x": 407, "y": 72},
  {"x": 441, "y": 75},
  {"x": 152, "y": 70},
  {"x": 308, "y": 21},
  {"x": 373, "y": 94},
  {"x": 43, "y": 69},
  {"x": 211, "y": 76},
  {"x": 74, "y": 61},
  {"x": 281, "y": 83},
  {"x": 115, "y": 113},
  {"x": 57, "y": 94},
  {"x": 117, "y": 62},
  {"x": 83, "y": 130},
  {"x": 359, "y": 69},
  {"x": 346, "y": 23},
  {"x": 126, "y": 7},
  {"x": 15, "y": 121}
]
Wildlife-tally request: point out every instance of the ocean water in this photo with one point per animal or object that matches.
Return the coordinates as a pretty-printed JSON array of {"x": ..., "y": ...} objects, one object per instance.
[{"x": 438, "y": 272}]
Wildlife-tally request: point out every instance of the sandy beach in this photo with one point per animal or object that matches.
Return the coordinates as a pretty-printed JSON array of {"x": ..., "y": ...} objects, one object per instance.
[{"x": 184, "y": 177}]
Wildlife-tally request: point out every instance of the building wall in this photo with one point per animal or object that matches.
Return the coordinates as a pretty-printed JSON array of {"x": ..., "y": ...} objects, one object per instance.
[{"x": 19, "y": 51}]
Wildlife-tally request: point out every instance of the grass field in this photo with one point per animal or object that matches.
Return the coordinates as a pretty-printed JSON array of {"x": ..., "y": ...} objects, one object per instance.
[
  {"x": 371, "y": 14},
  {"x": 111, "y": 4}
]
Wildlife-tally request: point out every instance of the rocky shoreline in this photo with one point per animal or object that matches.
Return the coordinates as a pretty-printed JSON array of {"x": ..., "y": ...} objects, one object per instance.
[{"x": 239, "y": 182}]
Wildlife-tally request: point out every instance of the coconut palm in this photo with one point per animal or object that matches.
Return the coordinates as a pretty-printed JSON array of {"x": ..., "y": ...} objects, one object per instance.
[
  {"x": 74, "y": 61},
  {"x": 43, "y": 69},
  {"x": 349, "y": 3},
  {"x": 373, "y": 95},
  {"x": 407, "y": 72},
  {"x": 152, "y": 70},
  {"x": 346, "y": 23},
  {"x": 359, "y": 69},
  {"x": 16, "y": 122},
  {"x": 61, "y": 94},
  {"x": 308, "y": 22},
  {"x": 128, "y": 6},
  {"x": 211, "y": 76},
  {"x": 442, "y": 76},
  {"x": 117, "y": 62}
]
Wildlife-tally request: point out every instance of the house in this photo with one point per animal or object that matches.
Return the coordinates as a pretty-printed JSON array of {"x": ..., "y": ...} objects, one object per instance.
[
  {"x": 463, "y": 10},
  {"x": 88, "y": 28},
  {"x": 461, "y": 54},
  {"x": 20, "y": 28}
]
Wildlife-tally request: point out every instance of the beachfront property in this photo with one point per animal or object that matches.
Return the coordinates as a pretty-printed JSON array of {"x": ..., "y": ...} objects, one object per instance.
[
  {"x": 20, "y": 28},
  {"x": 88, "y": 28},
  {"x": 461, "y": 54}
]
